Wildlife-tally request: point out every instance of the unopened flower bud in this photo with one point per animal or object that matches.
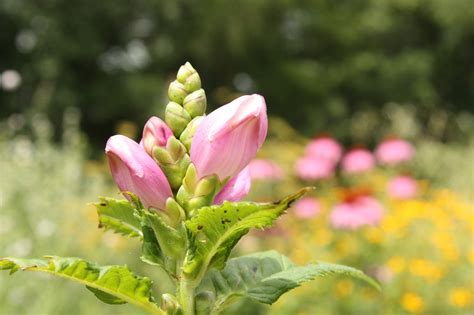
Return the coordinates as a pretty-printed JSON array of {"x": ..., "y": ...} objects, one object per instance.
[
  {"x": 176, "y": 117},
  {"x": 173, "y": 160},
  {"x": 229, "y": 137},
  {"x": 175, "y": 213},
  {"x": 170, "y": 305},
  {"x": 195, "y": 103},
  {"x": 162, "y": 156},
  {"x": 135, "y": 171},
  {"x": 185, "y": 71},
  {"x": 206, "y": 186},
  {"x": 175, "y": 148},
  {"x": 191, "y": 179},
  {"x": 196, "y": 193},
  {"x": 155, "y": 133},
  {"x": 187, "y": 135},
  {"x": 192, "y": 83},
  {"x": 177, "y": 92},
  {"x": 176, "y": 172}
]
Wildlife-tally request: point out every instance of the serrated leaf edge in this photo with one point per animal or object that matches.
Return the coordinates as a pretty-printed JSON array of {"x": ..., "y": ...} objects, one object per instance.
[{"x": 151, "y": 307}]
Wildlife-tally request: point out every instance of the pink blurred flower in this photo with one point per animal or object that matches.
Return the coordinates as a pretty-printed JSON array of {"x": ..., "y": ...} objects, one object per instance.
[
  {"x": 394, "y": 151},
  {"x": 155, "y": 133},
  {"x": 265, "y": 170},
  {"x": 309, "y": 168},
  {"x": 357, "y": 212},
  {"x": 402, "y": 187},
  {"x": 229, "y": 137},
  {"x": 236, "y": 188},
  {"x": 307, "y": 207},
  {"x": 326, "y": 148},
  {"x": 358, "y": 160},
  {"x": 135, "y": 171}
]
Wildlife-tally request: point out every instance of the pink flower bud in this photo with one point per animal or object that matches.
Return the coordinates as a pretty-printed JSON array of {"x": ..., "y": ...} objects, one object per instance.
[
  {"x": 261, "y": 169},
  {"x": 357, "y": 161},
  {"x": 307, "y": 207},
  {"x": 135, "y": 171},
  {"x": 236, "y": 188},
  {"x": 309, "y": 168},
  {"x": 155, "y": 133},
  {"x": 326, "y": 148},
  {"x": 229, "y": 137},
  {"x": 355, "y": 213},
  {"x": 394, "y": 151},
  {"x": 402, "y": 187}
]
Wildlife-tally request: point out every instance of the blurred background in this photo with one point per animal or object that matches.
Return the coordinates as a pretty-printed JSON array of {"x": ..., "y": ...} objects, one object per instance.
[{"x": 360, "y": 72}]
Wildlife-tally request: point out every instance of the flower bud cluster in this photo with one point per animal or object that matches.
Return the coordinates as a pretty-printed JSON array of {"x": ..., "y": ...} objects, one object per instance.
[
  {"x": 190, "y": 161},
  {"x": 187, "y": 99}
]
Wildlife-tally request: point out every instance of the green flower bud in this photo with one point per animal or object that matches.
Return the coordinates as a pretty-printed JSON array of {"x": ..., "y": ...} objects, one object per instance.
[
  {"x": 162, "y": 156},
  {"x": 176, "y": 117},
  {"x": 206, "y": 186},
  {"x": 170, "y": 305},
  {"x": 175, "y": 148},
  {"x": 187, "y": 135},
  {"x": 173, "y": 161},
  {"x": 192, "y": 83},
  {"x": 177, "y": 92},
  {"x": 195, "y": 103},
  {"x": 174, "y": 167},
  {"x": 176, "y": 214},
  {"x": 185, "y": 71},
  {"x": 190, "y": 180},
  {"x": 203, "y": 302},
  {"x": 194, "y": 193}
]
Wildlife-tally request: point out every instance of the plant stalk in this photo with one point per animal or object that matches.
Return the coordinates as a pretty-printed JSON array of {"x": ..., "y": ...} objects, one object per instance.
[{"x": 186, "y": 296}]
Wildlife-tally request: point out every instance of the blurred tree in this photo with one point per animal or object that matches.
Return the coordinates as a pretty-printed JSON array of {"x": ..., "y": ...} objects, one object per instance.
[{"x": 316, "y": 61}]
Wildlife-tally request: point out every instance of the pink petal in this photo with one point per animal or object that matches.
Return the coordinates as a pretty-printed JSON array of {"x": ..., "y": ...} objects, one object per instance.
[
  {"x": 229, "y": 137},
  {"x": 155, "y": 133},
  {"x": 236, "y": 189},
  {"x": 135, "y": 171}
]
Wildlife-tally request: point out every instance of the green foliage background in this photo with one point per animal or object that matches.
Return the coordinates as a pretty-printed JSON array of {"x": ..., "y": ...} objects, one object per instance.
[{"x": 317, "y": 62}]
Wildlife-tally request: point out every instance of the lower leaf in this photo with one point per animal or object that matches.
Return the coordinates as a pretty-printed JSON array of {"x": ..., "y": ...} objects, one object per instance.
[
  {"x": 265, "y": 276},
  {"x": 111, "y": 284}
]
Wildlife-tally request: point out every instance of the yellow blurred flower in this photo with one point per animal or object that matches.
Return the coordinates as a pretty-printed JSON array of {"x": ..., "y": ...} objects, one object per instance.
[
  {"x": 346, "y": 246},
  {"x": 426, "y": 269},
  {"x": 344, "y": 287},
  {"x": 396, "y": 264},
  {"x": 412, "y": 302},
  {"x": 471, "y": 257},
  {"x": 374, "y": 235},
  {"x": 322, "y": 236},
  {"x": 460, "y": 297}
]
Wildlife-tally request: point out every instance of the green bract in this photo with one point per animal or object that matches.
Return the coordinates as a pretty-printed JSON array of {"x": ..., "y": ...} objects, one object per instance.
[{"x": 191, "y": 240}]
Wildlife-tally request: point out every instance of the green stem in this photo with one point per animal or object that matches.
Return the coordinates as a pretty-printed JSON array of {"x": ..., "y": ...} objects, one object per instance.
[{"x": 186, "y": 296}]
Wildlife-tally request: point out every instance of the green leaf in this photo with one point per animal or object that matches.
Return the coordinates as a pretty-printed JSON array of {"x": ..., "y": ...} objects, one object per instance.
[
  {"x": 111, "y": 284},
  {"x": 118, "y": 216},
  {"x": 162, "y": 245},
  {"x": 171, "y": 242},
  {"x": 151, "y": 251},
  {"x": 105, "y": 297},
  {"x": 215, "y": 230},
  {"x": 265, "y": 276}
]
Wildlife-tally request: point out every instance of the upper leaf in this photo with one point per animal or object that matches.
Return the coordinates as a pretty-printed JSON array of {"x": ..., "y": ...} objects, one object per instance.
[
  {"x": 265, "y": 276},
  {"x": 215, "y": 230},
  {"x": 111, "y": 284},
  {"x": 118, "y": 216},
  {"x": 171, "y": 241}
]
